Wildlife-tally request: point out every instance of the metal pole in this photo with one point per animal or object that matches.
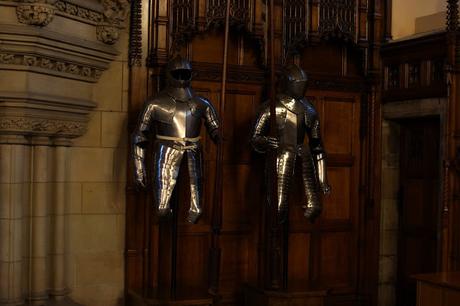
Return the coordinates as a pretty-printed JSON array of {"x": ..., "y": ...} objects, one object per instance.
[
  {"x": 274, "y": 239},
  {"x": 218, "y": 192}
]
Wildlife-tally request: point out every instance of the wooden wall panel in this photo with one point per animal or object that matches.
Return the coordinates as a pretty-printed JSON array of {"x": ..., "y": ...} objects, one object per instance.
[
  {"x": 338, "y": 121},
  {"x": 299, "y": 260},
  {"x": 235, "y": 254},
  {"x": 192, "y": 263},
  {"x": 322, "y": 255},
  {"x": 238, "y": 117},
  {"x": 337, "y": 262},
  {"x": 323, "y": 58},
  {"x": 239, "y": 196},
  {"x": 337, "y": 206}
]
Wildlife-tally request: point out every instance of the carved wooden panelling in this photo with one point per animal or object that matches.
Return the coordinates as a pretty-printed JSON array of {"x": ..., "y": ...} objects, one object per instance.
[
  {"x": 413, "y": 69},
  {"x": 135, "y": 34},
  {"x": 239, "y": 12},
  {"x": 338, "y": 19},
  {"x": 183, "y": 21},
  {"x": 394, "y": 76},
  {"x": 295, "y": 24},
  {"x": 414, "y": 74},
  {"x": 437, "y": 74}
]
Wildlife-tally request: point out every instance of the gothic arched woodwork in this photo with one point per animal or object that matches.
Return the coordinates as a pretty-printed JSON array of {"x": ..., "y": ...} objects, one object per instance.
[
  {"x": 337, "y": 19},
  {"x": 299, "y": 23},
  {"x": 295, "y": 25}
]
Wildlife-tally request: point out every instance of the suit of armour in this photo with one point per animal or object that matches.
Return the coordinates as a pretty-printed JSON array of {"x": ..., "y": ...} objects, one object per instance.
[
  {"x": 175, "y": 116},
  {"x": 295, "y": 118}
]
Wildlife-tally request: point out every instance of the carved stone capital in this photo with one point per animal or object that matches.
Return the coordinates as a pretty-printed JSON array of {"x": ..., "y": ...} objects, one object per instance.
[
  {"x": 115, "y": 11},
  {"x": 107, "y": 33},
  {"x": 115, "y": 14},
  {"x": 37, "y": 115},
  {"x": 35, "y": 13}
]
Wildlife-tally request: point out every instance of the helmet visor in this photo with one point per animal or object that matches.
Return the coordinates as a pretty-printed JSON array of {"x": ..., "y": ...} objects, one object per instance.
[{"x": 182, "y": 74}]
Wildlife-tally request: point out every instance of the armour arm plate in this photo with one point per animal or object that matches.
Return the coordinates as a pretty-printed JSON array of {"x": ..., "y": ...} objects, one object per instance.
[
  {"x": 211, "y": 119},
  {"x": 259, "y": 139},
  {"x": 139, "y": 140}
]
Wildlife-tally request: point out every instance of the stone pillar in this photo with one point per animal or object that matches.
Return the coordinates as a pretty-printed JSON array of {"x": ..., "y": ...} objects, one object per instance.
[
  {"x": 58, "y": 286},
  {"x": 389, "y": 214},
  {"x": 40, "y": 221},
  {"x": 14, "y": 177}
]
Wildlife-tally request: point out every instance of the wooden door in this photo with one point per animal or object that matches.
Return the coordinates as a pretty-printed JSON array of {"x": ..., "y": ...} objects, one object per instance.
[{"x": 419, "y": 204}]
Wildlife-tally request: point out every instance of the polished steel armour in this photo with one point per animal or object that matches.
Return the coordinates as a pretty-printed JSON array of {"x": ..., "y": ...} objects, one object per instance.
[
  {"x": 295, "y": 117},
  {"x": 175, "y": 117}
]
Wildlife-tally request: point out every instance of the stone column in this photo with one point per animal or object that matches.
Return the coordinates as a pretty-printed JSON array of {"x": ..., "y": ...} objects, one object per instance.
[
  {"x": 58, "y": 286},
  {"x": 14, "y": 176},
  {"x": 39, "y": 221}
]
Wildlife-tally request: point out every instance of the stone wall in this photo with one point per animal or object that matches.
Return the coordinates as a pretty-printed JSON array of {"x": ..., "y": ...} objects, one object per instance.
[
  {"x": 63, "y": 147},
  {"x": 389, "y": 214},
  {"x": 97, "y": 181}
]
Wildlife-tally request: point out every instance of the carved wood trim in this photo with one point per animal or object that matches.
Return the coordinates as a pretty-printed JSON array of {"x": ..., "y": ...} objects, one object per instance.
[
  {"x": 337, "y": 19},
  {"x": 240, "y": 13},
  {"x": 452, "y": 15},
  {"x": 135, "y": 34},
  {"x": 183, "y": 15},
  {"x": 412, "y": 74},
  {"x": 295, "y": 25},
  {"x": 213, "y": 73}
]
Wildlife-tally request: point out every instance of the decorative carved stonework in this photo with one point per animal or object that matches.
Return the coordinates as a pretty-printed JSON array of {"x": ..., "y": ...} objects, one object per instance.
[
  {"x": 6, "y": 58},
  {"x": 115, "y": 11},
  {"x": 52, "y": 65},
  {"x": 115, "y": 14},
  {"x": 49, "y": 127},
  {"x": 78, "y": 11},
  {"x": 295, "y": 25},
  {"x": 107, "y": 33},
  {"x": 37, "y": 14},
  {"x": 338, "y": 19}
]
